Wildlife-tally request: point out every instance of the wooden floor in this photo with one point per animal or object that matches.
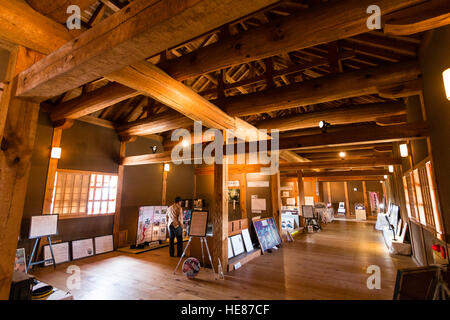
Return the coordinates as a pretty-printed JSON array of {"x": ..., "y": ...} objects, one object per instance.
[{"x": 331, "y": 264}]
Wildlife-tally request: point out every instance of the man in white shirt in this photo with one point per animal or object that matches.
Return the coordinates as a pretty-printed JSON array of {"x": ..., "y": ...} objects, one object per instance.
[{"x": 174, "y": 219}]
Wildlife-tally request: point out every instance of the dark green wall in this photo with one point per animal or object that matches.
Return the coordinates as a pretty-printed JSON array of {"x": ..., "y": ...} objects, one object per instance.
[{"x": 434, "y": 59}]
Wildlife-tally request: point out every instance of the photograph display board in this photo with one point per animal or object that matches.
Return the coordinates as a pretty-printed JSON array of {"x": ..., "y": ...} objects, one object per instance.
[
  {"x": 104, "y": 244},
  {"x": 82, "y": 248},
  {"x": 238, "y": 244},
  {"x": 247, "y": 240},
  {"x": 199, "y": 223},
  {"x": 42, "y": 226},
  {"x": 267, "y": 232},
  {"x": 151, "y": 224},
  {"x": 60, "y": 251}
]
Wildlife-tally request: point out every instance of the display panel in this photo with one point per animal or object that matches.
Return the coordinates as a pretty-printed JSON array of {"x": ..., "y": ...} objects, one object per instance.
[
  {"x": 60, "y": 251},
  {"x": 104, "y": 244},
  {"x": 82, "y": 248},
  {"x": 42, "y": 226},
  {"x": 199, "y": 223},
  {"x": 267, "y": 233}
]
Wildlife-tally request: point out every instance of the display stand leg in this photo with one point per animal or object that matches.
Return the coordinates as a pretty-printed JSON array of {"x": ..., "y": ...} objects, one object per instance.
[
  {"x": 30, "y": 263},
  {"x": 203, "y": 254},
  {"x": 182, "y": 256},
  {"x": 209, "y": 255},
  {"x": 51, "y": 251}
]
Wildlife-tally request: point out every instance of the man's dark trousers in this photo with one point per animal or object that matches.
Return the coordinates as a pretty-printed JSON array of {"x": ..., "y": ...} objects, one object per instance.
[{"x": 176, "y": 232}]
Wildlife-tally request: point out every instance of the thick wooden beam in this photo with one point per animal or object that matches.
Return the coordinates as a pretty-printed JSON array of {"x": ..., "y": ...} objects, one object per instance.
[
  {"x": 51, "y": 173},
  {"x": 323, "y": 89},
  {"x": 21, "y": 25},
  {"x": 426, "y": 16},
  {"x": 319, "y": 24},
  {"x": 57, "y": 9},
  {"x": 220, "y": 215},
  {"x": 18, "y": 124},
  {"x": 353, "y": 173},
  {"x": 327, "y": 164},
  {"x": 116, "y": 223},
  {"x": 366, "y": 198},
  {"x": 347, "y": 202},
  {"x": 301, "y": 188},
  {"x": 276, "y": 199},
  {"x": 92, "y": 101},
  {"x": 140, "y": 30},
  {"x": 336, "y": 116}
]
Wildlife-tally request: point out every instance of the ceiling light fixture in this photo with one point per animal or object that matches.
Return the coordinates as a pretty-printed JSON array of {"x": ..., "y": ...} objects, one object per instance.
[{"x": 323, "y": 125}]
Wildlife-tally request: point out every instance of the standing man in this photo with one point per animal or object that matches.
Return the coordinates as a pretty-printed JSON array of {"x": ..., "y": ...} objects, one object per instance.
[{"x": 174, "y": 219}]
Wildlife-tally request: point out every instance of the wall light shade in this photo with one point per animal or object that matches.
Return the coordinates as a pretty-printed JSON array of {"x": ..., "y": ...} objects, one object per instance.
[
  {"x": 342, "y": 154},
  {"x": 56, "y": 153},
  {"x": 446, "y": 76},
  {"x": 404, "y": 150},
  {"x": 167, "y": 167},
  {"x": 391, "y": 168},
  {"x": 385, "y": 176}
]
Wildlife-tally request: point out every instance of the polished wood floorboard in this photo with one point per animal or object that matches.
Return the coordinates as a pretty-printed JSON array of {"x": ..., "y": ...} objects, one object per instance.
[{"x": 331, "y": 264}]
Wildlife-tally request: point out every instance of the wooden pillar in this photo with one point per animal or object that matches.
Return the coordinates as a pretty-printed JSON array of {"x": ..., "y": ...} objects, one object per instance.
[
  {"x": 321, "y": 199},
  {"x": 116, "y": 223},
  {"x": 366, "y": 199},
  {"x": 220, "y": 214},
  {"x": 329, "y": 191},
  {"x": 276, "y": 199},
  {"x": 347, "y": 203},
  {"x": 51, "y": 173},
  {"x": 316, "y": 197},
  {"x": 164, "y": 188},
  {"x": 18, "y": 124},
  {"x": 301, "y": 188},
  {"x": 243, "y": 187},
  {"x": 384, "y": 195}
]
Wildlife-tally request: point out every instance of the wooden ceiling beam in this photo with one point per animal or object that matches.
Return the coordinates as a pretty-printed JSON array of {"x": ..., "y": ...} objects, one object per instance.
[
  {"x": 320, "y": 24},
  {"x": 350, "y": 173},
  {"x": 336, "y": 116},
  {"x": 57, "y": 9},
  {"x": 329, "y": 164},
  {"x": 140, "y": 30},
  {"x": 324, "y": 89}
]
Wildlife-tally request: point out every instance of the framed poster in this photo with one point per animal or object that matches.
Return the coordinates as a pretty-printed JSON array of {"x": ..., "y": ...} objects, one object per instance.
[
  {"x": 42, "y": 226},
  {"x": 199, "y": 224},
  {"x": 258, "y": 204},
  {"x": 104, "y": 244},
  {"x": 82, "y": 248},
  {"x": 61, "y": 252},
  {"x": 238, "y": 244},
  {"x": 230, "y": 249},
  {"x": 20, "y": 262},
  {"x": 267, "y": 233},
  {"x": 247, "y": 240},
  {"x": 145, "y": 224}
]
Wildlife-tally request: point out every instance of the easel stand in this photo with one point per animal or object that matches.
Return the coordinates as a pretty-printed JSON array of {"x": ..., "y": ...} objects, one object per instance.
[
  {"x": 36, "y": 243},
  {"x": 202, "y": 240}
]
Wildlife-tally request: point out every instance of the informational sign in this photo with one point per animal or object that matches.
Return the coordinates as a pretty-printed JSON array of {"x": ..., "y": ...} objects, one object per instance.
[
  {"x": 82, "y": 248},
  {"x": 247, "y": 240},
  {"x": 20, "y": 263},
  {"x": 199, "y": 224},
  {"x": 233, "y": 184},
  {"x": 230, "y": 249},
  {"x": 238, "y": 244},
  {"x": 104, "y": 244},
  {"x": 42, "y": 226},
  {"x": 258, "y": 184},
  {"x": 60, "y": 251},
  {"x": 258, "y": 204}
]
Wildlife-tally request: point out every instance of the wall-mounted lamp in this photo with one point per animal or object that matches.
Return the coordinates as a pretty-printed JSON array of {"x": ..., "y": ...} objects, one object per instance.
[
  {"x": 446, "y": 76},
  {"x": 342, "y": 154},
  {"x": 166, "y": 167},
  {"x": 355, "y": 189},
  {"x": 403, "y": 150},
  {"x": 56, "y": 153},
  {"x": 154, "y": 148},
  {"x": 323, "y": 125},
  {"x": 391, "y": 168},
  {"x": 385, "y": 176}
]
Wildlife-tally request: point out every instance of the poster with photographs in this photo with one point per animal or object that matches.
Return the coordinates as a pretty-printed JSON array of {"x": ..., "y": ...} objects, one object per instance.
[
  {"x": 267, "y": 232},
  {"x": 145, "y": 223},
  {"x": 20, "y": 263}
]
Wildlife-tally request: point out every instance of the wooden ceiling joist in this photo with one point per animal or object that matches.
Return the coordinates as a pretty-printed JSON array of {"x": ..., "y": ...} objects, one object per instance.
[
  {"x": 351, "y": 173},
  {"x": 328, "y": 164},
  {"x": 323, "y": 89},
  {"x": 337, "y": 116},
  {"x": 142, "y": 29}
]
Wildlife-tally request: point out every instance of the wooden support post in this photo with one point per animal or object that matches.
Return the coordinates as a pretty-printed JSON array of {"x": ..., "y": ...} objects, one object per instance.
[
  {"x": 51, "y": 173},
  {"x": 366, "y": 199},
  {"x": 164, "y": 188},
  {"x": 276, "y": 199},
  {"x": 220, "y": 214},
  {"x": 243, "y": 186},
  {"x": 384, "y": 196},
  {"x": 347, "y": 203},
  {"x": 18, "y": 124},
  {"x": 301, "y": 188},
  {"x": 116, "y": 225},
  {"x": 316, "y": 197},
  {"x": 321, "y": 199},
  {"x": 329, "y": 191}
]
